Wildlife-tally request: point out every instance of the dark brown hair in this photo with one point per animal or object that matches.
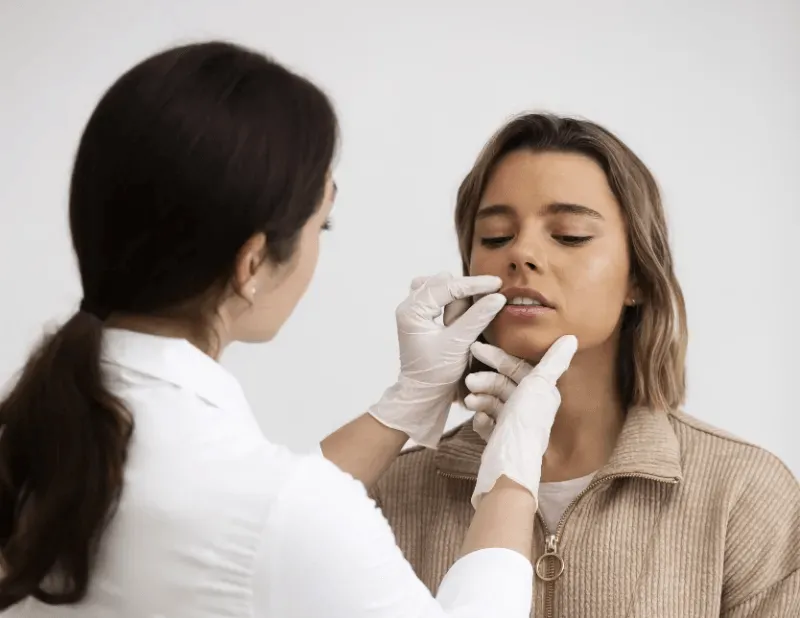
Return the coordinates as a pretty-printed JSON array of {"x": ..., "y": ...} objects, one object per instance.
[
  {"x": 187, "y": 155},
  {"x": 653, "y": 339}
]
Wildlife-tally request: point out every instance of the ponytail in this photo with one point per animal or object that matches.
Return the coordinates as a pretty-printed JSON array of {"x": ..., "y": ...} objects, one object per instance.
[{"x": 63, "y": 444}]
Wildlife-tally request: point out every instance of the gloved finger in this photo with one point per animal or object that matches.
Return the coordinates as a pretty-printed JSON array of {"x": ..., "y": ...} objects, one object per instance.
[
  {"x": 441, "y": 293},
  {"x": 417, "y": 290},
  {"x": 511, "y": 366},
  {"x": 490, "y": 383},
  {"x": 483, "y": 424},
  {"x": 557, "y": 359},
  {"x": 418, "y": 282},
  {"x": 487, "y": 404},
  {"x": 439, "y": 278},
  {"x": 455, "y": 310},
  {"x": 470, "y": 325}
]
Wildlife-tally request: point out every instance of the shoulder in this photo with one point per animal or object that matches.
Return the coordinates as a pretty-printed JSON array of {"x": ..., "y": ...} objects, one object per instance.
[
  {"x": 714, "y": 449},
  {"x": 761, "y": 514},
  {"x": 748, "y": 486}
]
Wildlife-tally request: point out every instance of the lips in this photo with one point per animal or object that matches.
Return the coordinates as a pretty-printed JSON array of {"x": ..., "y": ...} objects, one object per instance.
[{"x": 526, "y": 297}]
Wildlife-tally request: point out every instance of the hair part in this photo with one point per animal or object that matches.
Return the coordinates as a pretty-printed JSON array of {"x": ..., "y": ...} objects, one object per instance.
[
  {"x": 187, "y": 156},
  {"x": 653, "y": 335}
]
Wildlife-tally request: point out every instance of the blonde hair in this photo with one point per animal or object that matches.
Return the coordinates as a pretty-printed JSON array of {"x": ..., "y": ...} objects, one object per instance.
[{"x": 652, "y": 352}]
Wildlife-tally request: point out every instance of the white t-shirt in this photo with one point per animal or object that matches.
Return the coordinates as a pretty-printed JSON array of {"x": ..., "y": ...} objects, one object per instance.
[
  {"x": 554, "y": 498},
  {"x": 215, "y": 521}
]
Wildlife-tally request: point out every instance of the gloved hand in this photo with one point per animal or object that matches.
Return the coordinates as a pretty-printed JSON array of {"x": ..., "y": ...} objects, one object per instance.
[
  {"x": 522, "y": 432},
  {"x": 433, "y": 357},
  {"x": 490, "y": 390},
  {"x": 482, "y": 421}
]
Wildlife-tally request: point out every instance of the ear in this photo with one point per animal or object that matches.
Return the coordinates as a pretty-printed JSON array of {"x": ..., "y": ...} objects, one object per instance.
[
  {"x": 633, "y": 295},
  {"x": 249, "y": 258}
]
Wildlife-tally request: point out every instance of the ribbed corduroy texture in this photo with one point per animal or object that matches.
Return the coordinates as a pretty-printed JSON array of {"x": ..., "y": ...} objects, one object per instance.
[{"x": 683, "y": 522}]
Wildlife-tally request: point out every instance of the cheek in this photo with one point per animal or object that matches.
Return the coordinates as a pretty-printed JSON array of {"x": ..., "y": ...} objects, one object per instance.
[
  {"x": 308, "y": 262},
  {"x": 594, "y": 291},
  {"x": 483, "y": 262}
]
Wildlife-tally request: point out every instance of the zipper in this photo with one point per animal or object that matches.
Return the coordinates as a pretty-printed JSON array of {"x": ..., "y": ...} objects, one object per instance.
[
  {"x": 550, "y": 565},
  {"x": 552, "y": 540},
  {"x": 458, "y": 477}
]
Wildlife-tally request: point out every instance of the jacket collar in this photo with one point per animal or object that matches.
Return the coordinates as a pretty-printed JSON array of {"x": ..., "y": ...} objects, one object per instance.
[
  {"x": 175, "y": 361},
  {"x": 647, "y": 445}
]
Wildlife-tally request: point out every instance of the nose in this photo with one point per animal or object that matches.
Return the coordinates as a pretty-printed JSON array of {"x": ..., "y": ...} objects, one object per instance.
[
  {"x": 521, "y": 266},
  {"x": 524, "y": 257}
]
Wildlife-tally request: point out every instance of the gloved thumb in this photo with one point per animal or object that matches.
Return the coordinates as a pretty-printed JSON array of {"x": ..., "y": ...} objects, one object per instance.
[{"x": 556, "y": 360}]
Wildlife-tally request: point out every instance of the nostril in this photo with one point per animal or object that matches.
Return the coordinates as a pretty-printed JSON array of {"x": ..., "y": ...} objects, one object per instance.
[{"x": 530, "y": 265}]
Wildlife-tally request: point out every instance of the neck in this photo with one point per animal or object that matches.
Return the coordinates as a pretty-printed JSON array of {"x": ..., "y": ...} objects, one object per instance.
[
  {"x": 170, "y": 327},
  {"x": 589, "y": 419}
]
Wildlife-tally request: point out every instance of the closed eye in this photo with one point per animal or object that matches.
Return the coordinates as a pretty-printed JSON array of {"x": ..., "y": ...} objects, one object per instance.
[
  {"x": 573, "y": 241},
  {"x": 328, "y": 225},
  {"x": 495, "y": 241}
]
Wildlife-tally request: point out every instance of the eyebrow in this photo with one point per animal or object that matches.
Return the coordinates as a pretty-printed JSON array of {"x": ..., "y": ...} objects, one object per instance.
[
  {"x": 553, "y": 208},
  {"x": 565, "y": 208}
]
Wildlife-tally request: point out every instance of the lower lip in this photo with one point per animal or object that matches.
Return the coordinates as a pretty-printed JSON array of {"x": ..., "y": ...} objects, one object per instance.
[{"x": 526, "y": 311}]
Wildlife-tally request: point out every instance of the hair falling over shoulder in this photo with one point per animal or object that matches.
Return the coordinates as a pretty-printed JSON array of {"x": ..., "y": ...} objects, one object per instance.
[{"x": 62, "y": 451}]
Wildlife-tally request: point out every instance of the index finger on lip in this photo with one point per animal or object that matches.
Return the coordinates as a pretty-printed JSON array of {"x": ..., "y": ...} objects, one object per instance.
[
  {"x": 440, "y": 293},
  {"x": 463, "y": 287}
]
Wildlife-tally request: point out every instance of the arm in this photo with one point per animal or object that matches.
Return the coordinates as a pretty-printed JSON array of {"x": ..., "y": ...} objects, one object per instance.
[
  {"x": 504, "y": 518},
  {"x": 364, "y": 448},
  {"x": 762, "y": 553},
  {"x": 328, "y": 551}
]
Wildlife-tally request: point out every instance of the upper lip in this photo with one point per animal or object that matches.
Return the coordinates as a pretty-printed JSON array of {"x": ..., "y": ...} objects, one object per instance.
[{"x": 511, "y": 293}]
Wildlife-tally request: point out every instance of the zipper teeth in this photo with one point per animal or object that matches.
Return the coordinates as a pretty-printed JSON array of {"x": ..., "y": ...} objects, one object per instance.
[{"x": 458, "y": 477}]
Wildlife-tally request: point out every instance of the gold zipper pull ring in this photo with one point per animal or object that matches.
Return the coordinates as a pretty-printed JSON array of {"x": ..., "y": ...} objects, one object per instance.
[{"x": 550, "y": 565}]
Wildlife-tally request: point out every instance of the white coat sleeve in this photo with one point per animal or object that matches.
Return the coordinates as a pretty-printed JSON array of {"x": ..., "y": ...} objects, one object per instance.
[{"x": 328, "y": 551}]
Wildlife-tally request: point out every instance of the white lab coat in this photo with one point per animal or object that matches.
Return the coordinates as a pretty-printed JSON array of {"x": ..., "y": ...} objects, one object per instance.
[{"x": 216, "y": 521}]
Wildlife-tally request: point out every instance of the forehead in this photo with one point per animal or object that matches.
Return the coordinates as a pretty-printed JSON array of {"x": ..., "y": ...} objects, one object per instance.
[{"x": 525, "y": 179}]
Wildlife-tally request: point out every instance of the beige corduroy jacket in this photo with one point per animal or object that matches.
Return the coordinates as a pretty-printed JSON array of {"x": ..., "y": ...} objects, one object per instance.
[{"x": 683, "y": 522}]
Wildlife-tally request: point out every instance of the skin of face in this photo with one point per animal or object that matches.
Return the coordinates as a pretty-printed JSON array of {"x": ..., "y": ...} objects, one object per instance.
[
  {"x": 272, "y": 291},
  {"x": 549, "y": 222}
]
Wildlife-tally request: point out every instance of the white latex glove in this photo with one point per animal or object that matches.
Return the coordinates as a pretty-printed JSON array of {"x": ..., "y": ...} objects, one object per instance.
[
  {"x": 490, "y": 390},
  {"x": 433, "y": 357},
  {"x": 522, "y": 432}
]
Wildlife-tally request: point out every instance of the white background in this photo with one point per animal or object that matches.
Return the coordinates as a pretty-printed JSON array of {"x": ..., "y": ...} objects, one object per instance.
[{"x": 708, "y": 93}]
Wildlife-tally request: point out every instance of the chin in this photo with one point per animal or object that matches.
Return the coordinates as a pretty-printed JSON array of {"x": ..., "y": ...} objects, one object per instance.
[{"x": 526, "y": 343}]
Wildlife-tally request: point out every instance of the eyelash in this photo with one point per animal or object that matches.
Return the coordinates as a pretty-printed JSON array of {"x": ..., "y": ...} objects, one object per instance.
[
  {"x": 569, "y": 241},
  {"x": 328, "y": 225}
]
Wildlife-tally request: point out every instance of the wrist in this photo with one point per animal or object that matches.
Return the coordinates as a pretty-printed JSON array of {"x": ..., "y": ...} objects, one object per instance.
[
  {"x": 422, "y": 397},
  {"x": 419, "y": 410}
]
